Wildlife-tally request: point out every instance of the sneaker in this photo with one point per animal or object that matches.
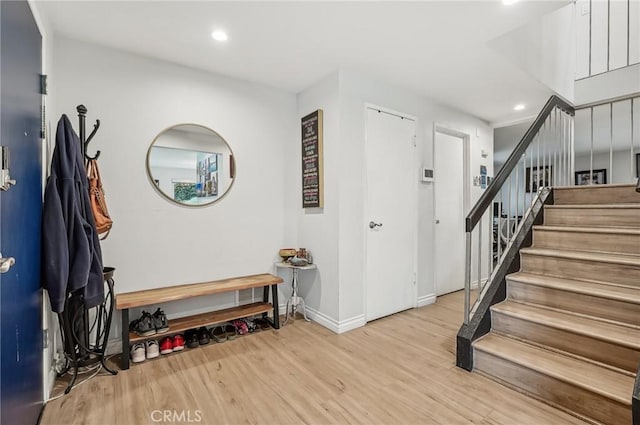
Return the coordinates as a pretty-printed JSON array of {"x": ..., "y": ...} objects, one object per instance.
[
  {"x": 166, "y": 346},
  {"x": 137, "y": 353},
  {"x": 241, "y": 326},
  {"x": 160, "y": 321},
  {"x": 144, "y": 326},
  {"x": 152, "y": 348},
  {"x": 203, "y": 336},
  {"x": 178, "y": 342},
  {"x": 192, "y": 338},
  {"x": 251, "y": 325}
]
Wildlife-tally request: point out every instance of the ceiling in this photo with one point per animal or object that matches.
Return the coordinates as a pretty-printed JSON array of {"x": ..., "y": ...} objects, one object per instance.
[{"x": 436, "y": 48}]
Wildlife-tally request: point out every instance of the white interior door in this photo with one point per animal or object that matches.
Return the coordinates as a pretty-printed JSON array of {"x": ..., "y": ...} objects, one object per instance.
[
  {"x": 449, "y": 213},
  {"x": 391, "y": 219}
]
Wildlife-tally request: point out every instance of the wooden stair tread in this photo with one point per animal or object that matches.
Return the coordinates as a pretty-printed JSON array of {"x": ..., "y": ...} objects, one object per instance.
[
  {"x": 624, "y": 259},
  {"x": 591, "y": 229},
  {"x": 599, "y": 186},
  {"x": 591, "y": 377},
  {"x": 602, "y": 290},
  {"x": 615, "y": 333},
  {"x": 594, "y": 206}
]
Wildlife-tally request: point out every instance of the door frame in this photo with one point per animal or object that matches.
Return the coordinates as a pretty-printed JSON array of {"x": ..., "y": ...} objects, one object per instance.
[
  {"x": 366, "y": 212},
  {"x": 466, "y": 184},
  {"x": 48, "y": 374}
]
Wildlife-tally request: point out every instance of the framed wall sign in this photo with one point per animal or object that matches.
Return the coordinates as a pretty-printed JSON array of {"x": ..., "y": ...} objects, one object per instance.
[{"x": 312, "y": 166}]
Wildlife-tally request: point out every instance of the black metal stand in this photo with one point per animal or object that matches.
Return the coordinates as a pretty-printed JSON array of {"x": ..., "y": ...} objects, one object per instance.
[{"x": 85, "y": 343}]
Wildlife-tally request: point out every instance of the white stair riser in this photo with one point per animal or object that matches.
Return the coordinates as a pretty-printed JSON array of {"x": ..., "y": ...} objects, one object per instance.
[
  {"x": 605, "y": 308},
  {"x": 596, "y": 195},
  {"x": 562, "y": 394},
  {"x": 580, "y": 269},
  {"x": 565, "y": 340},
  {"x": 600, "y": 217},
  {"x": 583, "y": 241}
]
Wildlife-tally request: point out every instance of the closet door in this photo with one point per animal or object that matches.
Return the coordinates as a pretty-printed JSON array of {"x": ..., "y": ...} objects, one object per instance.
[
  {"x": 21, "y": 390},
  {"x": 391, "y": 214}
]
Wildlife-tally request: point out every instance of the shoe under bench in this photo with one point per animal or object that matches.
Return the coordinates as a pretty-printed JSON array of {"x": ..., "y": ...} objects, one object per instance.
[{"x": 127, "y": 300}]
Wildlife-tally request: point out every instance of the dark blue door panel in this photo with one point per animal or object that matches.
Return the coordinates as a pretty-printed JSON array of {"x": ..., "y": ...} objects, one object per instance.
[{"x": 20, "y": 212}]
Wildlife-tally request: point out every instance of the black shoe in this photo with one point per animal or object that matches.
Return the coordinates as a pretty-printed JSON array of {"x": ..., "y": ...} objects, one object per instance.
[
  {"x": 191, "y": 337},
  {"x": 160, "y": 321},
  {"x": 203, "y": 336},
  {"x": 144, "y": 326}
]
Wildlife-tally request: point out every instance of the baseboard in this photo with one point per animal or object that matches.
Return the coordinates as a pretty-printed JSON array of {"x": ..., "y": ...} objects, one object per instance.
[
  {"x": 323, "y": 320},
  {"x": 353, "y": 323},
  {"x": 426, "y": 300},
  {"x": 114, "y": 346},
  {"x": 474, "y": 284},
  {"x": 51, "y": 381},
  {"x": 336, "y": 326}
]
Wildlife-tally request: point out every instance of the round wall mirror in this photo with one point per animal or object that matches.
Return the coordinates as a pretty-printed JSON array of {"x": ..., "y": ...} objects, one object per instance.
[{"x": 191, "y": 165}]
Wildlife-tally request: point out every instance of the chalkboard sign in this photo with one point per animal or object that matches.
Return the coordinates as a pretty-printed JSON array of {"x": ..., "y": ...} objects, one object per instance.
[{"x": 312, "y": 173}]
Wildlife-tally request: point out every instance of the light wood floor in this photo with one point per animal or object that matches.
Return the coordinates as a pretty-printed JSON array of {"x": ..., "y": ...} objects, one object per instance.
[{"x": 396, "y": 370}]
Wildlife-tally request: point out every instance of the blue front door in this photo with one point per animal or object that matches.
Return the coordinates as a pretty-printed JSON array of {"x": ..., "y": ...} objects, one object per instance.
[{"x": 20, "y": 215}]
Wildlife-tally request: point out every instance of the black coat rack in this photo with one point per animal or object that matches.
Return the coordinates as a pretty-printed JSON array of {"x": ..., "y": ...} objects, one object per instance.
[{"x": 85, "y": 343}]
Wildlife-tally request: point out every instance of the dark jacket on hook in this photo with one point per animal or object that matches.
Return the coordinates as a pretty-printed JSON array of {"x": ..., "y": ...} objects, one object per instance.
[{"x": 71, "y": 254}]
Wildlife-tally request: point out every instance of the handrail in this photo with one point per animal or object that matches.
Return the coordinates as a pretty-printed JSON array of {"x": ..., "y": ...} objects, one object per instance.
[{"x": 494, "y": 187}]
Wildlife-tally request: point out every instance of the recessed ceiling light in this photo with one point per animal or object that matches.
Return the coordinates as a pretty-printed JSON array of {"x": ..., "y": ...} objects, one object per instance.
[
  {"x": 518, "y": 107},
  {"x": 219, "y": 35},
  {"x": 509, "y": 2}
]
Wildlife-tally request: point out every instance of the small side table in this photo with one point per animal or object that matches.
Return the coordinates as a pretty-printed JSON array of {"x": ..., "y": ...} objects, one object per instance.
[{"x": 295, "y": 300}]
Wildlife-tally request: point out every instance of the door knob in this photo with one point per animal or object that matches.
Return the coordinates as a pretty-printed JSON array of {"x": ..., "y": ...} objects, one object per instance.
[
  {"x": 373, "y": 225},
  {"x": 437, "y": 221},
  {"x": 6, "y": 263}
]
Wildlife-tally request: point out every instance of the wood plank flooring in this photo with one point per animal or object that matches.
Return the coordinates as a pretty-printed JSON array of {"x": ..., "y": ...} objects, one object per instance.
[{"x": 396, "y": 370}]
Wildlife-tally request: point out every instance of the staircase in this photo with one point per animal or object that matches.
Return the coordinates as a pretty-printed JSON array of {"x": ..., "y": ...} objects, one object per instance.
[{"x": 568, "y": 332}]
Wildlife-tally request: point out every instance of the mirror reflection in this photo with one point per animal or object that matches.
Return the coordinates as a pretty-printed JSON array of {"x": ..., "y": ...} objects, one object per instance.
[{"x": 191, "y": 165}]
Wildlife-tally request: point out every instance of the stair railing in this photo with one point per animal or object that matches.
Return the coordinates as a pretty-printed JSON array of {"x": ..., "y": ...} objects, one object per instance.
[
  {"x": 607, "y": 141},
  {"x": 544, "y": 158}
]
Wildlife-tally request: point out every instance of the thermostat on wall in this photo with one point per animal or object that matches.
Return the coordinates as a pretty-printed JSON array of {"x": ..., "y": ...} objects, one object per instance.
[{"x": 426, "y": 175}]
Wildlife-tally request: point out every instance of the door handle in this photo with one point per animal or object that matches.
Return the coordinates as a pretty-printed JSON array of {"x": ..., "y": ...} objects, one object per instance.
[
  {"x": 6, "y": 263},
  {"x": 373, "y": 225}
]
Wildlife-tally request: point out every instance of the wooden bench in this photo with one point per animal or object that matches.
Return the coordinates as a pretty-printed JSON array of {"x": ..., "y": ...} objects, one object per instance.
[{"x": 148, "y": 297}]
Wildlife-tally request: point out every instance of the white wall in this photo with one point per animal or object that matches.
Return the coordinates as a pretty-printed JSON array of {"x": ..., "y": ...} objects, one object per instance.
[
  {"x": 355, "y": 91},
  {"x": 317, "y": 228},
  {"x": 155, "y": 243},
  {"x": 343, "y": 215},
  {"x": 617, "y": 83},
  {"x": 505, "y": 139},
  {"x": 544, "y": 48}
]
